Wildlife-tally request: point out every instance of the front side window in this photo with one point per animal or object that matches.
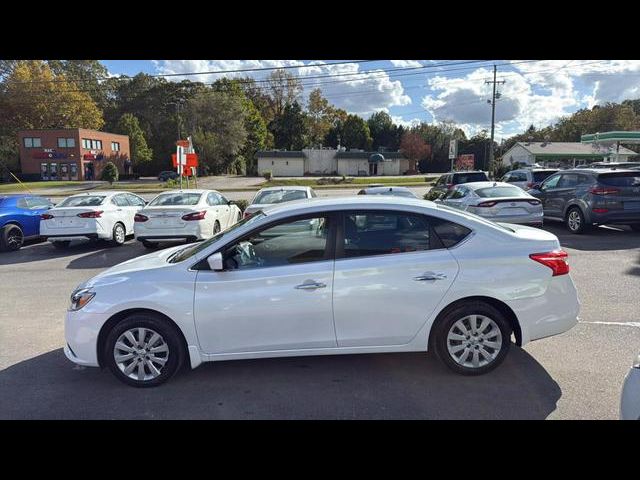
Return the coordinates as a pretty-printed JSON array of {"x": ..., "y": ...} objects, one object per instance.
[
  {"x": 295, "y": 242},
  {"x": 36, "y": 203},
  {"x": 470, "y": 177},
  {"x": 551, "y": 182},
  {"x": 382, "y": 232},
  {"x": 568, "y": 180},
  {"x": 167, "y": 199}
]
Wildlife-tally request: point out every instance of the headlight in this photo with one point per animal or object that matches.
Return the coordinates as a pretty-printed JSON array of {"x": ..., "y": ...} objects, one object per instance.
[
  {"x": 636, "y": 364},
  {"x": 80, "y": 298}
]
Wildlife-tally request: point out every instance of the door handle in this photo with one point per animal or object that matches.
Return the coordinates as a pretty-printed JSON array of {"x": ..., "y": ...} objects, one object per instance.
[
  {"x": 430, "y": 276},
  {"x": 310, "y": 286}
]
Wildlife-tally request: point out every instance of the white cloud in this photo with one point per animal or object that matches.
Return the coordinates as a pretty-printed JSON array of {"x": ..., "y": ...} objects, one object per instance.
[
  {"x": 406, "y": 63},
  {"x": 405, "y": 123},
  {"x": 352, "y": 90}
]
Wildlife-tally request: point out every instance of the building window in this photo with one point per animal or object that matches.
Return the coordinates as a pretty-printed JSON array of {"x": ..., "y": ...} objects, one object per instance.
[
  {"x": 86, "y": 143},
  {"x": 66, "y": 143},
  {"x": 99, "y": 144},
  {"x": 71, "y": 142},
  {"x": 115, "y": 146},
  {"x": 32, "y": 142}
]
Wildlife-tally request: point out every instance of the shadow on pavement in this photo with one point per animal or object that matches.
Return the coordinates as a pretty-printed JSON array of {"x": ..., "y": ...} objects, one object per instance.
[
  {"x": 618, "y": 237},
  {"x": 384, "y": 386}
]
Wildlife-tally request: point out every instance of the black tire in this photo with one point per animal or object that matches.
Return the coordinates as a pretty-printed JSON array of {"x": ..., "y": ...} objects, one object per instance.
[
  {"x": 445, "y": 325},
  {"x": 635, "y": 227},
  {"x": 117, "y": 238},
  {"x": 575, "y": 221},
  {"x": 149, "y": 245},
  {"x": 61, "y": 244},
  {"x": 169, "y": 334},
  {"x": 11, "y": 238}
]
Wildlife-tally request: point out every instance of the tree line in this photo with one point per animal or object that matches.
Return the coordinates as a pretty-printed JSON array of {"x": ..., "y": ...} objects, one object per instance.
[{"x": 231, "y": 119}]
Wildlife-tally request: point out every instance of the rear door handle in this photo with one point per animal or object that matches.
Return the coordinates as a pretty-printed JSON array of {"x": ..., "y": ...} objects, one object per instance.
[
  {"x": 310, "y": 286},
  {"x": 430, "y": 276}
]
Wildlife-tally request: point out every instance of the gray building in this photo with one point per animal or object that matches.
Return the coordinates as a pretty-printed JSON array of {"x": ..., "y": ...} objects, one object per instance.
[
  {"x": 563, "y": 153},
  {"x": 331, "y": 162}
]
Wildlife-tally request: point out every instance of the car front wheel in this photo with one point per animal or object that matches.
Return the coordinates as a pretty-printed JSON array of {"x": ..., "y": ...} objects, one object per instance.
[
  {"x": 11, "y": 238},
  {"x": 143, "y": 351},
  {"x": 472, "y": 338}
]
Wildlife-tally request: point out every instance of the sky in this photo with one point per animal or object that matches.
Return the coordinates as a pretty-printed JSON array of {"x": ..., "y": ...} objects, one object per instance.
[{"x": 537, "y": 92}]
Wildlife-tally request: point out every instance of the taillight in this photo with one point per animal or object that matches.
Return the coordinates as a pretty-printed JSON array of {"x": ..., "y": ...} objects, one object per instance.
[
  {"x": 600, "y": 210},
  {"x": 599, "y": 190},
  {"x": 96, "y": 214},
  {"x": 534, "y": 202},
  {"x": 555, "y": 260},
  {"x": 46, "y": 216},
  {"x": 140, "y": 218},
  {"x": 486, "y": 204},
  {"x": 195, "y": 216}
]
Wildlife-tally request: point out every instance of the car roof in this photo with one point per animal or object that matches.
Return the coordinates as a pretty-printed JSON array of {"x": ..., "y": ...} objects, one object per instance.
[
  {"x": 598, "y": 170},
  {"x": 478, "y": 185},
  {"x": 189, "y": 190},
  {"x": 385, "y": 189},
  {"x": 284, "y": 187},
  {"x": 462, "y": 172},
  {"x": 94, "y": 193},
  {"x": 534, "y": 169}
]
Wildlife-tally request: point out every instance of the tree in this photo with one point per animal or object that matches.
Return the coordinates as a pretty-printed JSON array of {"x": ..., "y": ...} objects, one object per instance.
[
  {"x": 414, "y": 148},
  {"x": 352, "y": 132},
  {"x": 384, "y": 132},
  {"x": 283, "y": 89},
  {"x": 216, "y": 123},
  {"x": 140, "y": 151},
  {"x": 320, "y": 117},
  {"x": 109, "y": 173},
  {"x": 290, "y": 129},
  {"x": 89, "y": 75}
]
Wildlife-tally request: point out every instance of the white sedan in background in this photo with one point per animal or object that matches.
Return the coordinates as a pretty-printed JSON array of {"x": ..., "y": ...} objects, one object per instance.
[
  {"x": 375, "y": 274},
  {"x": 106, "y": 215},
  {"x": 274, "y": 195},
  {"x": 185, "y": 215},
  {"x": 496, "y": 201}
]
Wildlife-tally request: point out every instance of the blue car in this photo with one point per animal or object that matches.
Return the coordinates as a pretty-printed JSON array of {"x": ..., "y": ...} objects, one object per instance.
[{"x": 20, "y": 219}]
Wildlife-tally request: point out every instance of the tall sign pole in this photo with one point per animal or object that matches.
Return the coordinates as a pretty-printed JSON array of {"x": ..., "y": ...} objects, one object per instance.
[{"x": 493, "y": 112}]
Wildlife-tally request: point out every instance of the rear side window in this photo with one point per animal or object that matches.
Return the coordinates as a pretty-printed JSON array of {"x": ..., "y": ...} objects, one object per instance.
[
  {"x": 622, "y": 179},
  {"x": 540, "y": 176},
  {"x": 450, "y": 233},
  {"x": 120, "y": 201},
  {"x": 518, "y": 177},
  {"x": 369, "y": 233},
  {"x": 472, "y": 177}
]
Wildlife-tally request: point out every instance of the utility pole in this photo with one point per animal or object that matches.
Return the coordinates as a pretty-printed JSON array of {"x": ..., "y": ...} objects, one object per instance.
[{"x": 493, "y": 111}]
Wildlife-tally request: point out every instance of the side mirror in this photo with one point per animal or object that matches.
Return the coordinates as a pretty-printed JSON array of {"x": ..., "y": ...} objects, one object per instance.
[
  {"x": 231, "y": 202},
  {"x": 146, "y": 202},
  {"x": 535, "y": 186},
  {"x": 215, "y": 262}
]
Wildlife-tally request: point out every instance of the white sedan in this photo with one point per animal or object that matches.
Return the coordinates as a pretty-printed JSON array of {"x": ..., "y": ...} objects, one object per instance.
[
  {"x": 273, "y": 195},
  {"x": 185, "y": 215},
  {"x": 497, "y": 201},
  {"x": 106, "y": 215},
  {"x": 375, "y": 274}
]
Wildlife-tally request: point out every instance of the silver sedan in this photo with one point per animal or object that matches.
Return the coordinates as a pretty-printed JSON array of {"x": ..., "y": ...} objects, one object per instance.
[{"x": 497, "y": 201}]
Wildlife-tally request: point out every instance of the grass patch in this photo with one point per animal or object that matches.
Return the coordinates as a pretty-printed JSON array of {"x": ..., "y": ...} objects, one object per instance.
[
  {"x": 349, "y": 181},
  {"x": 19, "y": 187}
]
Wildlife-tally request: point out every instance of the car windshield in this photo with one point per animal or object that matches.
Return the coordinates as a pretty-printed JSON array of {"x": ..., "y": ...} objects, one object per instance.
[
  {"x": 85, "y": 201},
  {"x": 279, "y": 196},
  {"x": 395, "y": 193},
  {"x": 167, "y": 199},
  {"x": 490, "y": 192},
  {"x": 474, "y": 216},
  {"x": 540, "y": 176},
  {"x": 191, "y": 250},
  {"x": 470, "y": 177}
]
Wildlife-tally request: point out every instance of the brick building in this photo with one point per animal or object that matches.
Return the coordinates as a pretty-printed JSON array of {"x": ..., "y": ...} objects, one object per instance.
[{"x": 71, "y": 153}]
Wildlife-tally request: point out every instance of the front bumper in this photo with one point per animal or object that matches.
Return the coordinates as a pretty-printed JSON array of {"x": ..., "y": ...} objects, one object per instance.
[
  {"x": 630, "y": 398},
  {"x": 81, "y": 332}
]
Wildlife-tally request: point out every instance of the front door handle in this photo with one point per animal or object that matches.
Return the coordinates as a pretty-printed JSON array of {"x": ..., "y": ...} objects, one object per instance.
[
  {"x": 311, "y": 286},
  {"x": 430, "y": 276}
]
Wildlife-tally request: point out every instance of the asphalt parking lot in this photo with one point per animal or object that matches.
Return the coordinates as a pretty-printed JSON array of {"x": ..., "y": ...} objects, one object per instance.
[{"x": 577, "y": 375}]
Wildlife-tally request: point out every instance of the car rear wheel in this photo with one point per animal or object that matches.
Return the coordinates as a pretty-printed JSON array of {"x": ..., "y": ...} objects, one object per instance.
[
  {"x": 149, "y": 245},
  {"x": 575, "y": 221},
  {"x": 11, "y": 238},
  {"x": 119, "y": 235},
  {"x": 472, "y": 338},
  {"x": 143, "y": 350},
  {"x": 61, "y": 244}
]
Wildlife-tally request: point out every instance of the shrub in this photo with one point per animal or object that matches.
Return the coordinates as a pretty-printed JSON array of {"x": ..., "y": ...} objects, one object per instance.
[
  {"x": 242, "y": 204},
  {"x": 268, "y": 175},
  {"x": 171, "y": 183},
  {"x": 109, "y": 173}
]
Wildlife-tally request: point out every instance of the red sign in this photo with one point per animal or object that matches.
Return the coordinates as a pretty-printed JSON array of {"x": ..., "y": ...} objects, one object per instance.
[
  {"x": 192, "y": 160},
  {"x": 465, "y": 162}
]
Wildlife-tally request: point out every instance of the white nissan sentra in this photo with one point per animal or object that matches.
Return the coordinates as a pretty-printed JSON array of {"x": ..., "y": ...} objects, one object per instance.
[
  {"x": 106, "y": 215},
  {"x": 362, "y": 275},
  {"x": 185, "y": 215}
]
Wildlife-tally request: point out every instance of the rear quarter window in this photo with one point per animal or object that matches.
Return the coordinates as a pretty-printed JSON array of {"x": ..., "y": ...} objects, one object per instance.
[{"x": 450, "y": 233}]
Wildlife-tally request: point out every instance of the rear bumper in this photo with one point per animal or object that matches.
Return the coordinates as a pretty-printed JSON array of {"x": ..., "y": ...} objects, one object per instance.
[
  {"x": 535, "y": 220},
  {"x": 166, "y": 238},
  {"x": 90, "y": 236},
  {"x": 616, "y": 217},
  {"x": 192, "y": 231}
]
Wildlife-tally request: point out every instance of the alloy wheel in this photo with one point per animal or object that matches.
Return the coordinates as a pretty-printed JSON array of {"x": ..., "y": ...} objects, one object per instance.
[
  {"x": 119, "y": 234},
  {"x": 474, "y": 341},
  {"x": 141, "y": 353},
  {"x": 14, "y": 239},
  {"x": 574, "y": 220}
]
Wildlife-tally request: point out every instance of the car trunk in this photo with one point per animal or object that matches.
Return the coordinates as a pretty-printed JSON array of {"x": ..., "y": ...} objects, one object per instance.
[
  {"x": 166, "y": 217},
  {"x": 67, "y": 217},
  {"x": 507, "y": 207},
  {"x": 622, "y": 188}
]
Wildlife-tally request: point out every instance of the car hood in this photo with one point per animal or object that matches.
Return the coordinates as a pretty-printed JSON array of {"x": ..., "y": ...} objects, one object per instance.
[
  {"x": 253, "y": 208},
  {"x": 124, "y": 269}
]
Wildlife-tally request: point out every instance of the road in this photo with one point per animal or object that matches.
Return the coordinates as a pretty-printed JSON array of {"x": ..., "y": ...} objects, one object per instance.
[{"x": 577, "y": 375}]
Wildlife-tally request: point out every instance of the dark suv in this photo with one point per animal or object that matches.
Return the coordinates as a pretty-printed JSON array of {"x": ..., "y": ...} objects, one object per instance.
[
  {"x": 448, "y": 180},
  {"x": 585, "y": 197}
]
